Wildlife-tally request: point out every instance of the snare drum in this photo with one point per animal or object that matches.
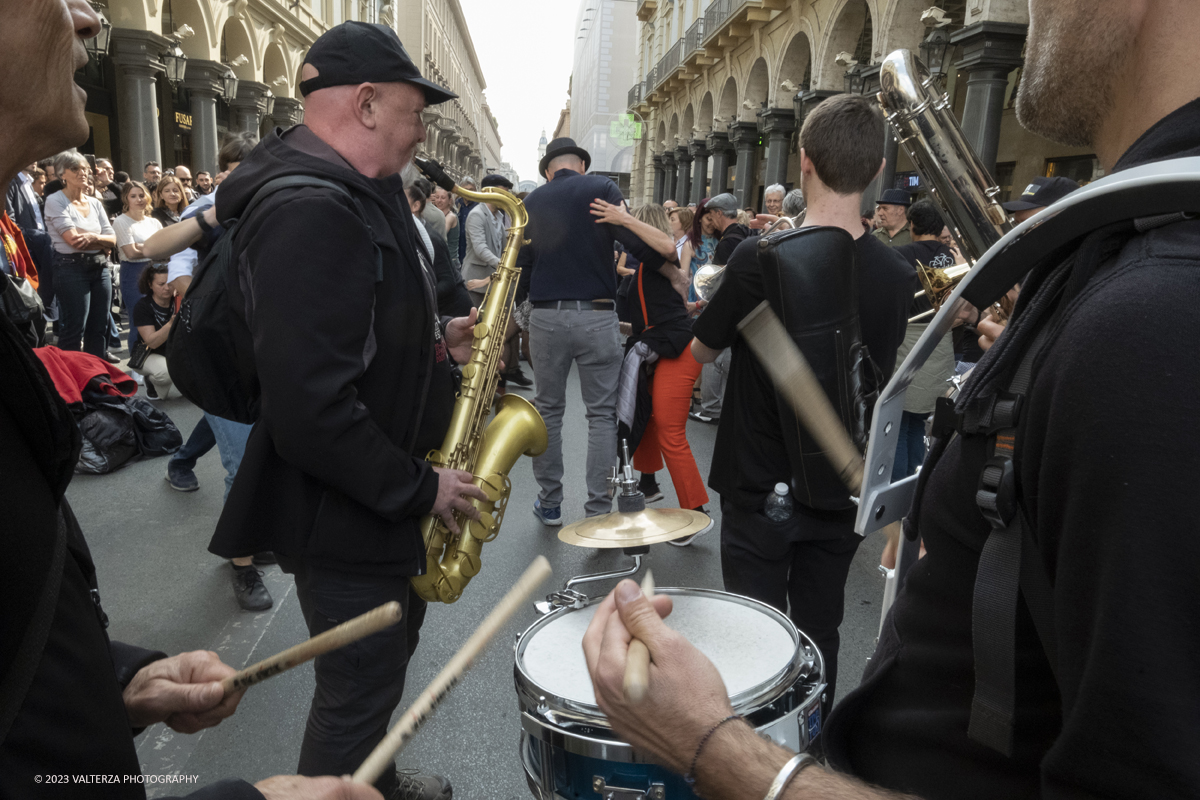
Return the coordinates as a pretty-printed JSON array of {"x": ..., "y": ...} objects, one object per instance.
[{"x": 774, "y": 673}]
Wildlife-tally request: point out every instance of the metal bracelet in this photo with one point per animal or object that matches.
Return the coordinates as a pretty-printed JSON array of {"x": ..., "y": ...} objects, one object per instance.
[{"x": 797, "y": 763}]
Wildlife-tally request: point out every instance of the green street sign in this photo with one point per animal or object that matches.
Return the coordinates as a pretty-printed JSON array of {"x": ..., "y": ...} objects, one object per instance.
[{"x": 625, "y": 129}]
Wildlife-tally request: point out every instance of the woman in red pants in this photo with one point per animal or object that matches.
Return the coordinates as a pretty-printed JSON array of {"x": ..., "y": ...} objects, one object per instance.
[{"x": 657, "y": 305}]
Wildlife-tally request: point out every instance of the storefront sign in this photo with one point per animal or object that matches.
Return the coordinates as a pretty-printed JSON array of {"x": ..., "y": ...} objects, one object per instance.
[{"x": 183, "y": 121}]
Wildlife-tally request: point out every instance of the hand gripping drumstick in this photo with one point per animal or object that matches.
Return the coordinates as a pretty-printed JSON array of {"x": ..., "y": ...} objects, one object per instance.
[
  {"x": 360, "y": 627},
  {"x": 637, "y": 665},
  {"x": 416, "y": 715}
]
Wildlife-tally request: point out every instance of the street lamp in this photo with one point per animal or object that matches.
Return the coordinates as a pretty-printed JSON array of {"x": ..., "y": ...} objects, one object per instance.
[
  {"x": 98, "y": 45},
  {"x": 175, "y": 62},
  {"x": 855, "y": 80},
  {"x": 229, "y": 84},
  {"x": 933, "y": 51},
  {"x": 269, "y": 108}
]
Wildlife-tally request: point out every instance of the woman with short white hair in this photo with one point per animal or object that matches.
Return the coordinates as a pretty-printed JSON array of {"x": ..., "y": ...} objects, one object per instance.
[{"x": 82, "y": 236}]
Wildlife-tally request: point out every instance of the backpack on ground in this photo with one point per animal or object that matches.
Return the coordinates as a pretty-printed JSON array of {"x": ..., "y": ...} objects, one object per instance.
[{"x": 210, "y": 350}]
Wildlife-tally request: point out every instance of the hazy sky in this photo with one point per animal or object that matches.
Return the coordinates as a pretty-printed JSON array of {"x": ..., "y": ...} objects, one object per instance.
[{"x": 525, "y": 48}]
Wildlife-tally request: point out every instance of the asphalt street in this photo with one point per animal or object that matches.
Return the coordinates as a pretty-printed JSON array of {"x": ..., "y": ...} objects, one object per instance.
[{"x": 162, "y": 589}]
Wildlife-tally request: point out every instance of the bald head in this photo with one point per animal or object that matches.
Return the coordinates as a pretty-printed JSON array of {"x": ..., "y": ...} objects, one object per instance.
[
  {"x": 569, "y": 161},
  {"x": 377, "y": 127}
]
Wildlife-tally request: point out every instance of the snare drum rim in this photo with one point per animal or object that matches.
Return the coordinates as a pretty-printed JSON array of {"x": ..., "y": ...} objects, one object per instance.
[{"x": 562, "y": 710}]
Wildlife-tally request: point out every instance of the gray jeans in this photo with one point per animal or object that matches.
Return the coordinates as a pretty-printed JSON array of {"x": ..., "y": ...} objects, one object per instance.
[
  {"x": 592, "y": 340},
  {"x": 712, "y": 384}
]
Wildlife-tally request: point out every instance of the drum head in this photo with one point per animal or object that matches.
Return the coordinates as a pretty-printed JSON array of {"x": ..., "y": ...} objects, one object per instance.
[{"x": 750, "y": 644}]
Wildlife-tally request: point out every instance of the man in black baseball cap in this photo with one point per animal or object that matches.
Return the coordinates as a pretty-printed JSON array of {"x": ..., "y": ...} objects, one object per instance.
[
  {"x": 340, "y": 431},
  {"x": 1037, "y": 195},
  {"x": 363, "y": 52}
]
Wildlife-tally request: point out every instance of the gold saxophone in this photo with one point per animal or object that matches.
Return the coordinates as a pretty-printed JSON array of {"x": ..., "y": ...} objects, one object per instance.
[{"x": 487, "y": 450}]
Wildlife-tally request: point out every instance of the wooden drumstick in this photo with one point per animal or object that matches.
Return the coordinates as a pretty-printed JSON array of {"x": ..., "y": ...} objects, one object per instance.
[
  {"x": 361, "y": 626},
  {"x": 795, "y": 380},
  {"x": 382, "y": 756},
  {"x": 637, "y": 665}
]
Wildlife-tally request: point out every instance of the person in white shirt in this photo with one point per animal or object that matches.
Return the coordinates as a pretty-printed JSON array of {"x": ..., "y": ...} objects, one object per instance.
[{"x": 133, "y": 227}]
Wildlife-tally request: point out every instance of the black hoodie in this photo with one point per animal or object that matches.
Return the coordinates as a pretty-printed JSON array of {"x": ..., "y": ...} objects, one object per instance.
[{"x": 356, "y": 382}]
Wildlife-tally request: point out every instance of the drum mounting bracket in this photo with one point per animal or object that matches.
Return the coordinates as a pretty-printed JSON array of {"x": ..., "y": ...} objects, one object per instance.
[{"x": 656, "y": 791}]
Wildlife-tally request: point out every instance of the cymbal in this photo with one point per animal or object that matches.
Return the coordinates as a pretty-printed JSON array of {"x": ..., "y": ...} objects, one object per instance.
[{"x": 617, "y": 530}]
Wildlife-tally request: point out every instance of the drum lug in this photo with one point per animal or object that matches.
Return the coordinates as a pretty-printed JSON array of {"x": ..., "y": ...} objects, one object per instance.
[
  {"x": 657, "y": 791},
  {"x": 566, "y": 598}
]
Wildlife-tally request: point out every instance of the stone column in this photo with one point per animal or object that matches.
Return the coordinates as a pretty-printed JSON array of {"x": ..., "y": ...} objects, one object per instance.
[
  {"x": 668, "y": 162},
  {"x": 135, "y": 55},
  {"x": 991, "y": 50},
  {"x": 722, "y": 153},
  {"x": 683, "y": 185},
  {"x": 250, "y": 105},
  {"x": 744, "y": 136},
  {"x": 699, "y": 152},
  {"x": 778, "y": 125},
  {"x": 288, "y": 112},
  {"x": 659, "y": 172},
  {"x": 204, "y": 84}
]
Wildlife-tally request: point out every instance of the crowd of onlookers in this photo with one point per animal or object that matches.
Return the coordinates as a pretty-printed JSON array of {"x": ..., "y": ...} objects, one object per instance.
[{"x": 84, "y": 224}]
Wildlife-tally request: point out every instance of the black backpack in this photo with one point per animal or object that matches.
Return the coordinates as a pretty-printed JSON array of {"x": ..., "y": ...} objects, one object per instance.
[{"x": 210, "y": 349}]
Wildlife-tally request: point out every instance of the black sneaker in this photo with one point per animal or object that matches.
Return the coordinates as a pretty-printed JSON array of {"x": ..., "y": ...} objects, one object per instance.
[
  {"x": 648, "y": 485},
  {"x": 151, "y": 392},
  {"x": 265, "y": 559},
  {"x": 249, "y": 589},
  {"x": 518, "y": 377},
  {"x": 412, "y": 785},
  {"x": 180, "y": 477},
  {"x": 705, "y": 418}
]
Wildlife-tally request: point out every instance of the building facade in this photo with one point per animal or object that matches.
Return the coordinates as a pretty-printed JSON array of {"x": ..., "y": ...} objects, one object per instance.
[
  {"x": 177, "y": 75},
  {"x": 604, "y": 67},
  {"x": 723, "y": 84},
  {"x": 462, "y": 134}
]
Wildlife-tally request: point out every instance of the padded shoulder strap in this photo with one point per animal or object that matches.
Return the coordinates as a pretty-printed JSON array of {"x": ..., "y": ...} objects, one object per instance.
[
  {"x": 295, "y": 181},
  {"x": 997, "y": 582}
]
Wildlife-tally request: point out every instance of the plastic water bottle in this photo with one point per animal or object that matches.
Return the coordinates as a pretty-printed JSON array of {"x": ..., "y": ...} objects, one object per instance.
[{"x": 778, "y": 506}]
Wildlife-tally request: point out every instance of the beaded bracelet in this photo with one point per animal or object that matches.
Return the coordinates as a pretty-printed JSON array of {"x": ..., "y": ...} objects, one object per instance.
[{"x": 690, "y": 777}]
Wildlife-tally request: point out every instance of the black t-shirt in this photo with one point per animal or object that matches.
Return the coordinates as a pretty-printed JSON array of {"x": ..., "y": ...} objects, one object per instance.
[
  {"x": 750, "y": 457},
  {"x": 932, "y": 254},
  {"x": 734, "y": 235},
  {"x": 148, "y": 312},
  {"x": 668, "y": 329}
]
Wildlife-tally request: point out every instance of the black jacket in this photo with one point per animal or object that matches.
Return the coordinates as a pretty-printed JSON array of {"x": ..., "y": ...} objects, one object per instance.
[
  {"x": 356, "y": 383},
  {"x": 1105, "y": 464},
  {"x": 61, "y": 711}
]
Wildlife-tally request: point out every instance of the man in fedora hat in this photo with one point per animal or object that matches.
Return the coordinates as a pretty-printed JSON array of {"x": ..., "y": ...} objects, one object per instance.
[
  {"x": 891, "y": 209},
  {"x": 568, "y": 267}
]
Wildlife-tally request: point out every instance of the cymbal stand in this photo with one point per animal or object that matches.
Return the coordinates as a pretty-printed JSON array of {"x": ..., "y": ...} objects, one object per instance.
[{"x": 629, "y": 500}]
